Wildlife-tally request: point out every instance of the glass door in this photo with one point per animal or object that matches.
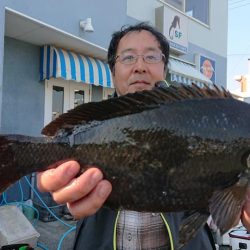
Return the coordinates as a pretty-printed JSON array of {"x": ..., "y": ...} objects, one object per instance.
[
  {"x": 56, "y": 99},
  {"x": 62, "y": 95}
]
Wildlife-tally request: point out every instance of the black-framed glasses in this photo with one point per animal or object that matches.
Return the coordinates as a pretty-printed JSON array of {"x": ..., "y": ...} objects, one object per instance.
[{"x": 131, "y": 58}]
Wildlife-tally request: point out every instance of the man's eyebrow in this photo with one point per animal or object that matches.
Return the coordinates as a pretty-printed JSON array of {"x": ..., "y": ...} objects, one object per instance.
[
  {"x": 146, "y": 49},
  {"x": 152, "y": 49},
  {"x": 127, "y": 50}
]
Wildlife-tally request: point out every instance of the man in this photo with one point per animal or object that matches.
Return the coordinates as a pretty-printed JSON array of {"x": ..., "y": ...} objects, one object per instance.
[{"x": 138, "y": 57}]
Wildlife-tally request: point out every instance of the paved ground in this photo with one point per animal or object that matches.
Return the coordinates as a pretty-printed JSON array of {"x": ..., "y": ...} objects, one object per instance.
[
  {"x": 51, "y": 230},
  {"x": 51, "y": 234},
  {"x": 15, "y": 228}
]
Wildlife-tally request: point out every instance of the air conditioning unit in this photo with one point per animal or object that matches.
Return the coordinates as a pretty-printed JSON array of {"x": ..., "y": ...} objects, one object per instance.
[{"x": 15, "y": 228}]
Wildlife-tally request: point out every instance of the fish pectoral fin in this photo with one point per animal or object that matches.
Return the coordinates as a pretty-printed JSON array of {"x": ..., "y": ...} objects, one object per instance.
[
  {"x": 191, "y": 224},
  {"x": 226, "y": 205}
]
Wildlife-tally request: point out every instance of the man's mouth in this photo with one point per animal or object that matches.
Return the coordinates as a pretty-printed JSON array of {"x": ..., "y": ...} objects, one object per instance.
[{"x": 140, "y": 82}]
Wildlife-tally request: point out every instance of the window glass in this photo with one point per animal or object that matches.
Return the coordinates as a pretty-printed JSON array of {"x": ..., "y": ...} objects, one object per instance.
[
  {"x": 198, "y": 10},
  {"x": 57, "y": 101},
  {"x": 79, "y": 97}
]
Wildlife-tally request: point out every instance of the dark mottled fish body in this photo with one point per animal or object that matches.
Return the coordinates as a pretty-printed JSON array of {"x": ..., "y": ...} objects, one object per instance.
[
  {"x": 165, "y": 150},
  {"x": 163, "y": 159}
]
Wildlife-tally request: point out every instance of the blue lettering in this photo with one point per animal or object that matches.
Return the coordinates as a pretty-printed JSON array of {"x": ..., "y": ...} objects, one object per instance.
[{"x": 178, "y": 34}]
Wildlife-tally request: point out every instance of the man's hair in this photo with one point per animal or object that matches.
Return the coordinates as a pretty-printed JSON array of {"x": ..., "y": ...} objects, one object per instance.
[{"x": 117, "y": 36}]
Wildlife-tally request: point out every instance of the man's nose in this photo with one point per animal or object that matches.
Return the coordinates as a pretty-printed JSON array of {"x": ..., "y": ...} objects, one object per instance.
[{"x": 140, "y": 65}]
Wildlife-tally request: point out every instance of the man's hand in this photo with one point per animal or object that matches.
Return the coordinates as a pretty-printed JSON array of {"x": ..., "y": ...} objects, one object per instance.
[{"x": 84, "y": 194}]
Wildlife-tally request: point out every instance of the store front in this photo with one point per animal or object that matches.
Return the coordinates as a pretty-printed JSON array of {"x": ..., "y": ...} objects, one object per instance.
[{"x": 73, "y": 70}]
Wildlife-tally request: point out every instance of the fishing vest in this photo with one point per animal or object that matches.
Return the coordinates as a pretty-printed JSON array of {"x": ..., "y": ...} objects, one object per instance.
[{"x": 98, "y": 232}]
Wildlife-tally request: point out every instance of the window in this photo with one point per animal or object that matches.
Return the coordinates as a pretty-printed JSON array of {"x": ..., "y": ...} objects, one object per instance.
[
  {"x": 79, "y": 97},
  {"x": 57, "y": 101},
  {"x": 196, "y": 9}
]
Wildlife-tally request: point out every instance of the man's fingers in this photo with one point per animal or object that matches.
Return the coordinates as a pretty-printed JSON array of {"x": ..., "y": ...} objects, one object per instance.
[
  {"x": 84, "y": 194},
  {"x": 91, "y": 203},
  {"x": 79, "y": 187},
  {"x": 55, "y": 178}
]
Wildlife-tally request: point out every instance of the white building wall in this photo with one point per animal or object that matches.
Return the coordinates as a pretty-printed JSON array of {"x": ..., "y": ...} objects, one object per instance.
[
  {"x": 143, "y": 10},
  {"x": 213, "y": 38}
]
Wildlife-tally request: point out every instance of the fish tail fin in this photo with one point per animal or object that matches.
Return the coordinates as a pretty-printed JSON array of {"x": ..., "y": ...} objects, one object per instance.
[{"x": 226, "y": 205}]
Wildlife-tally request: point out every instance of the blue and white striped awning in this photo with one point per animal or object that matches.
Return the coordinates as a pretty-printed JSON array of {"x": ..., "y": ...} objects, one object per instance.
[
  {"x": 59, "y": 63},
  {"x": 182, "y": 72}
]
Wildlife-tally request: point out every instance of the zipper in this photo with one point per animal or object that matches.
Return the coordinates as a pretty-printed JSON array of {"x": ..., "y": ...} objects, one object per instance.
[
  {"x": 115, "y": 227},
  {"x": 169, "y": 231}
]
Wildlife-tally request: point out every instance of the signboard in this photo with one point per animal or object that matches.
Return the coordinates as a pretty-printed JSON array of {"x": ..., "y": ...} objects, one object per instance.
[
  {"x": 175, "y": 28},
  {"x": 207, "y": 67}
]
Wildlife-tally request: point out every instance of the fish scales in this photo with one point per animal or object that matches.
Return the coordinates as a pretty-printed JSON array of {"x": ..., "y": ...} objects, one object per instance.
[
  {"x": 179, "y": 158},
  {"x": 22, "y": 155},
  {"x": 161, "y": 151}
]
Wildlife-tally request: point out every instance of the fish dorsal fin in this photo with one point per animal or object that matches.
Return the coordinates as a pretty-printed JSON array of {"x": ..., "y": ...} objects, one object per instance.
[{"x": 130, "y": 104}]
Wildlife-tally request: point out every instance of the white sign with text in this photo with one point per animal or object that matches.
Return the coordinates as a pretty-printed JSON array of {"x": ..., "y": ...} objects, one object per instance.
[{"x": 175, "y": 28}]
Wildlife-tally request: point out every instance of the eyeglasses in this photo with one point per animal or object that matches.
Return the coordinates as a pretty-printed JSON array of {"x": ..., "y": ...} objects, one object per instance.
[{"x": 150, "y": 57}]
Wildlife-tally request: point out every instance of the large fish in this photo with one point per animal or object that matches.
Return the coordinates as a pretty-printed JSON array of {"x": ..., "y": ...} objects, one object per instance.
[{"x": 175, "y": 149}]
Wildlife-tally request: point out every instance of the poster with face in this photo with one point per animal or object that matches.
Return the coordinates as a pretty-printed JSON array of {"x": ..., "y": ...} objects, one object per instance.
[{"x": 207, "y": 67}]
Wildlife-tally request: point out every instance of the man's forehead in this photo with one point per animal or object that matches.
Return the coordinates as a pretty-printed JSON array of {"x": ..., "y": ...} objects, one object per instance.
[
  {"x": 136, "y": 39},
  {"x": 133, "y": 36}
]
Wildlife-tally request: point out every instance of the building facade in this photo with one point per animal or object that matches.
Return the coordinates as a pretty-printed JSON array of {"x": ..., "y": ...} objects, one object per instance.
[{"x": 50, "y": 61}]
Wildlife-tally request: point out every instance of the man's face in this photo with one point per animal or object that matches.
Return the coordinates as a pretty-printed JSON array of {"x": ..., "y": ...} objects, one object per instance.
[{"x": 129, "y": 78}]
